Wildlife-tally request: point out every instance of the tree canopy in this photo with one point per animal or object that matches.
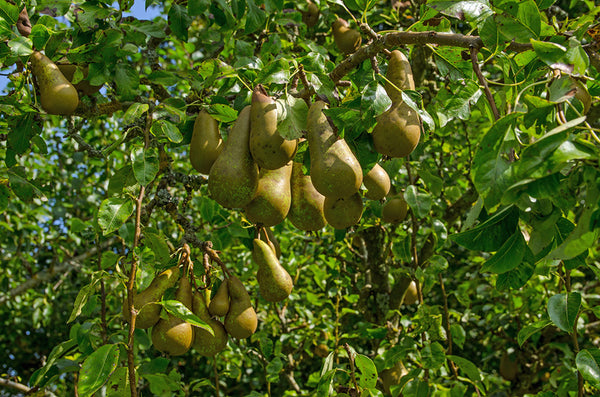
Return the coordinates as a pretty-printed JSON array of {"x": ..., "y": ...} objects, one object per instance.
[{"x": 484, "y": 283}]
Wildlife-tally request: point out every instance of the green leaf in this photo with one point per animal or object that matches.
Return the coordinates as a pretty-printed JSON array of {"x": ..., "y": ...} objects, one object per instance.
[
  {"x": 463, "y": 97},
  {"x": 162, "y": 128},
  {"x": 277, "y": 72},
  {"x": 26, "y": 190},
  {"x": 374, "y": 99},
  {"x": 588, "y": 363},
  {"x": 9, "y": 12},
  {"x": 179, "y": 310},
  {"x": 255, "y": 19},
  {"x": 490, "y": 235},
  {"x": 113, "y": 213},
  {"x": 127, "y": 80},
  {"x": 179, "y": 21},
  {"x": 97, "y": 368},
  {"x": 563, "y": 310},
  {"x": 418, "y": 200},
  {"x": 515, "y": 278},
  {"x": 368, "y": 373},
  {"x": 4, "y": 195},
  {"x": 470, "y": 11},
  {"x": 158, "y": 245},
  {"x": 458, "y": 335},
  {"x": 118, "y": 384},
  {"x": 469, "y": 369},
  {"x": 82, "y": 297},
  {"x": 274, "y": 368},
  {"x": 145, "y": 165},
  {"x": 508, "y": 257},
  {"x": 489, "y": 163},
  {"x": 548, "y": 52},
  {"x": 526, "y": 332},
  {"x": 21, "y": 46},
  {"x": 291, "y": 113},
  {"x": 134, "y": 112},
  {"x": 433, "y": 356},
  {"x": 223, "y": 113},
  {"x": 42, "y": 376}
]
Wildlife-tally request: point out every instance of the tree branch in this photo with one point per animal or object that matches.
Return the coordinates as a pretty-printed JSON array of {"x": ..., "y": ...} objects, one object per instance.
[
  {"x": 483, "y": 82},
  {"x": 22, "y": 388}
]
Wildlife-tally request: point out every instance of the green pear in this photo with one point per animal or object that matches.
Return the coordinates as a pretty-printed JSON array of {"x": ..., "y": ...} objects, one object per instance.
[
  {"x": 233, "y": 178},
  {"x": 241, "y": 320},
  {"x": 269, "y": 149},
  {"x": 346, "y": 39},
  {"x": 411, "y": 295},
  {"x": 270, "y": 239},
  {"x": 343, "y": 212},
  {"x": 57, "y": 94},
  {"x": 306, "y": 211},
  {"x": 206, "y": 144},
  {"x": 219, "y": 305},
  {"x": 271, "y": 203},
  {"x": 378, "y": 184},
  {"x": 146, "y": 301},
  {"x": 311, "y": 16},
  {"x": 400, "y": 74},
  {"x": 334, "y": 170},
  {"x": 205, "y": 343},
  {"x": 274, "y": 282},
  {"x": 394, "y": 209},
  {"x": 392, "y": 376},
  {"x": 173, "y": 335}
]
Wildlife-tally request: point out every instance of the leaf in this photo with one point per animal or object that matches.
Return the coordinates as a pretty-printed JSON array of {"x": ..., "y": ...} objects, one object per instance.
[
  {"x": 82, "y": 297},
  {"x": 490, "y": 235},
  {"x": 40, "y": 377},
  {"x": 158, "y": 245},
  {"x": 526, "y": 332},
  {"x": 113, "y": 213},
  {"x": 433, "y": 356},
  {"x": 9, "y": 12},
  {"x": 508, "y": 256},
  {"x": 97, "y": 368},
  {"x": 26, "y": 190},
  {"x": 489, "y": 163},
  {"x": 563, "y": 310},
  {"x": 223, "y": 113},
  {"x": 145, "y": 165},
  {"x": 548, "y": 52},
  {"x": 374, "y": 99},
  {"x": 179, "y": 310},
  {"x": 127, "y": 80},
  {"x": 469, "y": 369},
  {"x": 588, "y": 363},
  {"x": 255, "y": 19},
  {"x": 118, "y": 384},
  {"x": 179, "y": 21},
  {"x": 515, "y": 278},
  {"x": 458, "y": 334},
  {"x": 134, "y": 112},
  {"x": 277, "y": 72},
  {"x": 21, "y": 46},
  {"x": 465, "y": 10},
  {"x": 162, "y": 128},
  {"x": 418, "y": 200},
  {"x": 463, "y": 97},
  {"x": 292, "y": 113},
  {"x": 368, "y": 372}
]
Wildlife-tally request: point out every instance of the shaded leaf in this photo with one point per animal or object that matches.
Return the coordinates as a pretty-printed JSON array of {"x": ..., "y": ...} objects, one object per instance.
[
  {"x": 563, "y": 310},
  {"x": 145, "y": 165},
  {"x": 526, "y": 332},
  {"x": 588, "y": 363},
  {"x": 508, "y": 256},
  {"x": 490, "y": 235}
]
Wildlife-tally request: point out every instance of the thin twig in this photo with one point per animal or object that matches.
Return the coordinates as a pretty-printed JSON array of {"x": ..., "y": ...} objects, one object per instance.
[
  {"x": 352, "y": 369},
  {"x": 103, "y": 325},
  {"x": 483, "y": 82}
]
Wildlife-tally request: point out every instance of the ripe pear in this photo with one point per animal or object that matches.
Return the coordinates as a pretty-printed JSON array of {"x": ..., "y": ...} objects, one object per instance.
[
  {"x": 240, "y": 321},
  {"x": 400, "y": 74},
  {"x": 84, "y": 86},
  {"x": 272, "y": 240},
  {"x": 334, "y": 170},
  {"x": 274, "y": 282},
  {"x": 271, "y": 203},
  {"x": 394, "y": 209},
  {"x": 378, "y": 184},
  {"x": 397, "y": 131},
  {"x": 146, "y": 301},
  {"x": 392, "y": 376},
  {"x": 57, "y": 94},
  {"x": 269, "y": 149},
  {"x": 206, "y": 144},
  {"x": 311, "y": 16},
  {"x": 173, "y": 335},
  {"x": 411, "y": 295},
  {"x": 219, "y": 305},
  {"x": 306, "y": 211},
  {"x": 233, "y": 178},
  {"x": 346, "y": 39},
  {"x": 343, "y": 212},
  {"x": 205, "y": 343}
]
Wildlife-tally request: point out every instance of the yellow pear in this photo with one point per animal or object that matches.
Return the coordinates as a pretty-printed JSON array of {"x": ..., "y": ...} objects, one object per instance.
[
  {"x": 241, "y": 320},
  {"x": 205, "y": 343},
  {"x": 343, "y": 212},
  {"x": 346, "y": 39},
  {"x": 378, "y": 184},
  {"x": 394, "y": 209},
  {"x": 57, "y": 94},
  {"x": 274, "y": 282},
  {"x": 306, "y": 211},
  {"x": 392, "y": 376},
  {"x": 271, "y": 203},
  {"x": 206, "y": 144},
  {"x": 219, "y": 305},
  {"x": 84, "y": 86}
]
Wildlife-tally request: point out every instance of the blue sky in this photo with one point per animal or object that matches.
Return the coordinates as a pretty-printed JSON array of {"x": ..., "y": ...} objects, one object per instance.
[{"x": 138, "y": 10}]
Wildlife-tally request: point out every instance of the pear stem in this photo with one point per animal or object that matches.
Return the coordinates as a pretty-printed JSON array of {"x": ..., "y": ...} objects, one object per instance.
[{"x": 214, "y": 256}]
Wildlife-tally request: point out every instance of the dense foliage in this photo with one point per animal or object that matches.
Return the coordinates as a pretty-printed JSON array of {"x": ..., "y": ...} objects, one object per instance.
[{"x": 503, "y": 189}]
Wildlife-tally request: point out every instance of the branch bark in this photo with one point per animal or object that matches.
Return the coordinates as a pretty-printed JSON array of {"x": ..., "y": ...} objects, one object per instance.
[{"x": 21, "y": 387}]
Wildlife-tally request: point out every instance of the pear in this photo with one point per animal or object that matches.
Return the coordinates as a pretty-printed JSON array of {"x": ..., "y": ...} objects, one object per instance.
[
  {"x": 311, "y": 16},
  {"x": 509, "y": 369},
  {"x": 146, "y": 301},
  {"x": 394, "y": 209},
  {"x": 306, "y": 211},
  {"x": 205, "y": 343},
  {"x": 378, "y": 184},
  {"x": 334, "y": 170},
  {"x": 57, "y": 94},
  {"x": 400, "y": 292},
  {"x": 398, "y": 129},
  {"x": 272, "y": 240},
  {"x": 240, "y": 321},
  {"x": 343, "y": 212},
  {"x": 411, "y": 295},
  {"x": 84, "y": 86},
  {"x": 206, "y": 144},
  {"x": 268, "y": 148},
  {"x": 173, "y": 335},
  {"x": 272, "y": 202},
  {"x": 392, "y": 376},
  {"x": 346, "y": 39},
  {"x": 581, "y": 94},
  {"x": 219, "y": 305},
  {"x": 233, "y": 177},
  {"x": 274, "y": 282}
]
